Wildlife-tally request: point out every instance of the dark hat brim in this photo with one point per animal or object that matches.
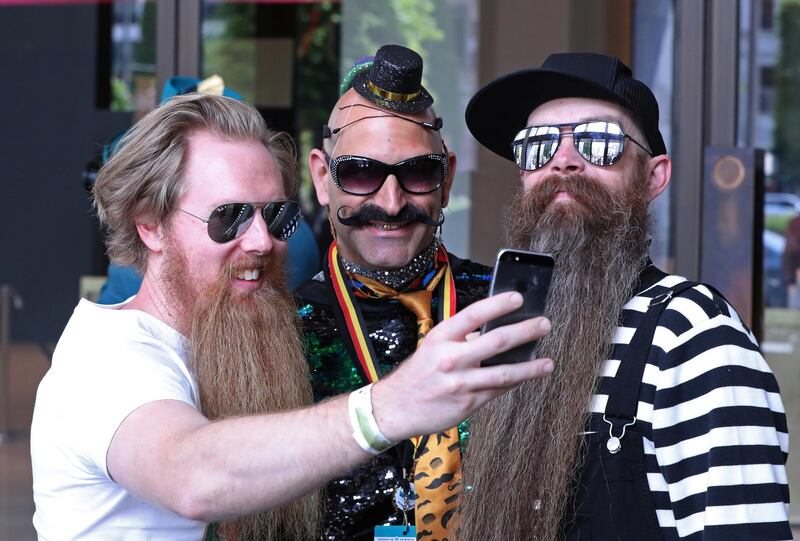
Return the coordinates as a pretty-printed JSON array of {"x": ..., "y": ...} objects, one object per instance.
[
  {"x": 418, "y": 104},
  {"x": 498, "y": 111}
]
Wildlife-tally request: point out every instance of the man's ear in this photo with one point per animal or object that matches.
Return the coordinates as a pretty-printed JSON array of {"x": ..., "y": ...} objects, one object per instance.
[
  {"x": 318, "y": 165},
  {"x": 659, "y": 169},
  {"x": 152, "y": 235},
  {"x": 448, "y": 182}
]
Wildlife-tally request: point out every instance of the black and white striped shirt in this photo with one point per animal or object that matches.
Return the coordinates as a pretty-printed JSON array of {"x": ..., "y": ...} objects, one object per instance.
[{"x": 715, "y": 434}]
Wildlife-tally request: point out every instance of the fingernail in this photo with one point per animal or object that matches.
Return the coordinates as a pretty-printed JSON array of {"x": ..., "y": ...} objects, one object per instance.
[
  {"x": 545, "y": 325},
  {"x": 548, "y": 367},
  {"x": 516, "y": 298}
]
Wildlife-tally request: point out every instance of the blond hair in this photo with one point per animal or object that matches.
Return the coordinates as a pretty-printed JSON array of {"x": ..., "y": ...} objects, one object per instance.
[{"x": 144, "y": 178}]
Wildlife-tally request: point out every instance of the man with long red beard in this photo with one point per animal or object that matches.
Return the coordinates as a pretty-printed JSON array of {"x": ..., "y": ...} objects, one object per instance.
[
  {"x": 662, "y": 419},
  {"x": 189, "y": 403}
]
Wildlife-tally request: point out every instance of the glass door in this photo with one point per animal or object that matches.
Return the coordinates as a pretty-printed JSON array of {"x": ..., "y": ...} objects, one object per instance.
[{"x": 769, "y": 109}]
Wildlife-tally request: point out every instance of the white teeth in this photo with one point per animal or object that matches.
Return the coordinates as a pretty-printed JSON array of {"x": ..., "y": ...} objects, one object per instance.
[
  {"x": 389, "y": 227},
  {"x": 251, "y": 274}
]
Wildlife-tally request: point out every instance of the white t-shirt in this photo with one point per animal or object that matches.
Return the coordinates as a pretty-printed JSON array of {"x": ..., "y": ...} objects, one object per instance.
[{"x": 107, "y": 363}]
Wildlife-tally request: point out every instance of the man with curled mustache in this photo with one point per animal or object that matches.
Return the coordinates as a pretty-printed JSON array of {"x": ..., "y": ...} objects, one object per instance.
[{"x": 385, "y": 174}]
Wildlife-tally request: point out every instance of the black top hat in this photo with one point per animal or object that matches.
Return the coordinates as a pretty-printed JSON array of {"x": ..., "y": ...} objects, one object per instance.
[
  {"x": 499, "y": 110},
  {"x": 394, "y": 81}
]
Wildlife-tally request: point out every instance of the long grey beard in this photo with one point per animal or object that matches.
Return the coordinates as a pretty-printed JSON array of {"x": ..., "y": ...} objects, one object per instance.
[{"x": 525, "y": 448}]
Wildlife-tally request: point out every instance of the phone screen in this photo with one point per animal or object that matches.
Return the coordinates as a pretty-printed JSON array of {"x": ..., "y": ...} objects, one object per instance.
[{"x": 529, "y": 273}]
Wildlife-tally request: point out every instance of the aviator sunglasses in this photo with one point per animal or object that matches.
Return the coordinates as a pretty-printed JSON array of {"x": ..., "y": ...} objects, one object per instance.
[
  {"x": 358, "y": 175},
  {"x": 229, "y": 221},
  {"x": 597, "y": 141}
]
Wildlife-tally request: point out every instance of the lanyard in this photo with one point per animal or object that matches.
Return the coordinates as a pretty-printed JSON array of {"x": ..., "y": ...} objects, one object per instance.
[
  {"x": 354, "y": 320},
  {"x": 350, "y": 314}
]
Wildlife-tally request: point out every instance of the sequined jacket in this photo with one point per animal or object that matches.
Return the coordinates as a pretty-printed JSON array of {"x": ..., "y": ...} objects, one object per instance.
[{"x": 362, "y": 499}]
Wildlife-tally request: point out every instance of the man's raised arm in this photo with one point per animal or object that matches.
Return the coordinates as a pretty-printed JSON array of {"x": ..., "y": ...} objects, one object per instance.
[{"x": 168, "y": 453}]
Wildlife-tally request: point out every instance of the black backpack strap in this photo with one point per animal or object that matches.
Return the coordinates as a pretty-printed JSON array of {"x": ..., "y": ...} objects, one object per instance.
[{"x": 624, "y": 397}]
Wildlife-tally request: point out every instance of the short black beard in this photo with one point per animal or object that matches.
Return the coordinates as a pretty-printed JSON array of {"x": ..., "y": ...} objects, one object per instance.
[{"x": 528, "y": 442}]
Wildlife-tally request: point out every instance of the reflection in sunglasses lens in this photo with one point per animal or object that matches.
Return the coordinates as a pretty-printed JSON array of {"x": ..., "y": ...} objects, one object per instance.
[
  {"x": 226, "y": 222},
  {"x": 282, "y": 218},
  {"x": 363, "y": 176},
  {"x": 598, "y": 142},
  {"x": 272, "y": 212},
  {"x": 360, "y": 175},
  {"x": 230, "y": 221},
  {"x": 422, "y": 175}
]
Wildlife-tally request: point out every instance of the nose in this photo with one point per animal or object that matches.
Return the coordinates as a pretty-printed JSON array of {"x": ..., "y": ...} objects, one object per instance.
[
  {"x": 566, "y": 159},
  {"x": 391, "y": 197},
  {"x": 257, "y": 240}
]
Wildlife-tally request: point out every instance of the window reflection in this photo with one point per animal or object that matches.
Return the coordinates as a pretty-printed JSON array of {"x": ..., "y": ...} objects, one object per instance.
[
  {"x": 769, "y": 77},
  {"x": 133, "y": 56},
  {"x": 284, "y": 59}
]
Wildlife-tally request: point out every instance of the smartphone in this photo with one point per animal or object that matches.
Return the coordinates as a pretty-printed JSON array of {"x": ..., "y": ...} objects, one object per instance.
[{"x": 529, "y": 273}]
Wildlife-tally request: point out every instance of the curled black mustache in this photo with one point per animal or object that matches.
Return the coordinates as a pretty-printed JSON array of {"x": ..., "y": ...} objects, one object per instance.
[{"x": 369, "y": 213}]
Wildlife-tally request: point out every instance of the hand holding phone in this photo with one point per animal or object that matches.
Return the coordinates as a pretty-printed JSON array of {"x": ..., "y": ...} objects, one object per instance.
[{"x": 529, "y": 273}]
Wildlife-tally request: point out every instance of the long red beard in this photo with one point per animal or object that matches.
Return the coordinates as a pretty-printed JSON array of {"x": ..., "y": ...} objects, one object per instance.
[
  {"x": 247, "y": 358},
  {"x": 528, "y": 441}
]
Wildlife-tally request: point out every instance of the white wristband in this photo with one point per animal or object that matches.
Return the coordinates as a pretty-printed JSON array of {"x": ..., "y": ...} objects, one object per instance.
[{"x": 365, "y": 428}]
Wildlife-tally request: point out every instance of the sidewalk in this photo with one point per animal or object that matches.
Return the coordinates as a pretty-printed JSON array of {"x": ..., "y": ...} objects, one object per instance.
[{"x": 28, "y": 363}]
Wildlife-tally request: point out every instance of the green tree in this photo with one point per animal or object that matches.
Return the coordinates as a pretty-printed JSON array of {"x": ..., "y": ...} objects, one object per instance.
[
  {"x": 787, "y": 107},
  {"x": 230, "y": 50},
  {"x": 231, "y": 53},
  {"x": 317, "y": 83},
  {"x": 144, "y": 52},
  {"x": 413, "y": 23},
  {"x": 121, "y": 99}
]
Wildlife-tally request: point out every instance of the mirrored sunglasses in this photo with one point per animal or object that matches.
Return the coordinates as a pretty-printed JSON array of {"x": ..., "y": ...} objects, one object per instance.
[
  {"x": 229, "y": 221},
  {"x": 358, "y": 175},
  {"x": 599, "y": 142}
]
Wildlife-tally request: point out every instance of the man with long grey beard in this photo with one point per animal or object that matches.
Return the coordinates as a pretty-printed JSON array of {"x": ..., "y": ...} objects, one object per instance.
[
  {"x": 662, "y": 419},
  {"x": 184, "y": 412}
]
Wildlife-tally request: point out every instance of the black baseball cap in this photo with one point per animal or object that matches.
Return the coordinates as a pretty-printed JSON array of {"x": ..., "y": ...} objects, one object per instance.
[{"x": 497, "y": 112}]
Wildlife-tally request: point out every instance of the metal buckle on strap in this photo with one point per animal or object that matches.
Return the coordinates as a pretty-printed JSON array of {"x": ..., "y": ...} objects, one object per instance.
[
  {"x": 613, "y": 444},
  {"x": 660, "y": 299}
]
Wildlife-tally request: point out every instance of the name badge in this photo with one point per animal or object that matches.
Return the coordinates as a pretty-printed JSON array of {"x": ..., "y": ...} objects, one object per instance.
[{"x": 394, "y": 533}]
